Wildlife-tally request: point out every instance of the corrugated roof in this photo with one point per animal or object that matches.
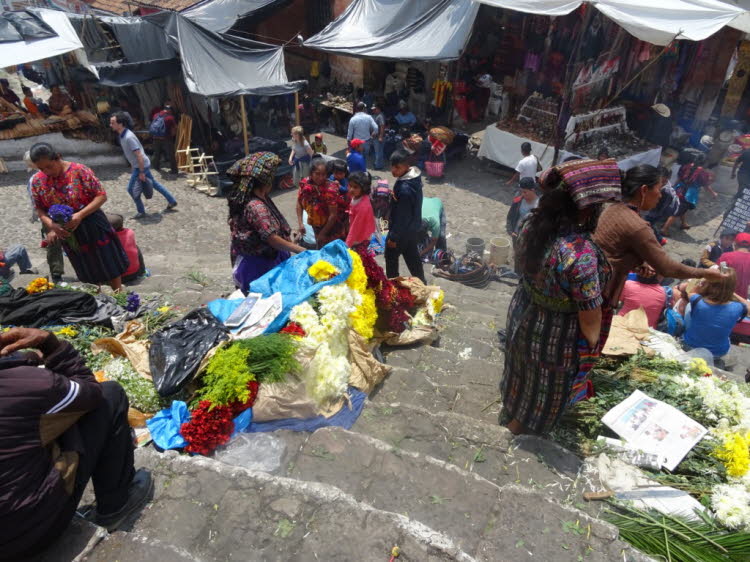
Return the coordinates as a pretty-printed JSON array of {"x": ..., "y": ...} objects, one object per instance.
[{"x": 126, "y": 7}]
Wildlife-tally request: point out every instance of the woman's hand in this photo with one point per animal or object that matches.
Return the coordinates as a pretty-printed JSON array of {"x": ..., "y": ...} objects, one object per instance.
[
  {"x": 74, "y": 222},
  {"x": 59, "y": 231}
]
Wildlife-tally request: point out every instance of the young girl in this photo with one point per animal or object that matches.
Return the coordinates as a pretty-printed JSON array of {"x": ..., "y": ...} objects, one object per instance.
[
  {"x": 339, "y": 173},
  {"x": 691, "y": 178},
  {"x": 301, "y": 155},
  {"x": 321, "y": 199},
  {"x": 714, "y": 311},
  {"x": 361, "y": 217}
]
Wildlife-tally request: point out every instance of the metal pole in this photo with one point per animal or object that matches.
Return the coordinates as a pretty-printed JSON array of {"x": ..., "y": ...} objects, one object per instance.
[
  {"x": 296, "y": 110},
  {"x": 244, "y": 123}
]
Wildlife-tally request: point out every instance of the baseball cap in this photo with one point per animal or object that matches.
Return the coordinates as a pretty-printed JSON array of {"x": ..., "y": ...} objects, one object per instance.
[
  {"x": 528, "y": 183},
  {"x": 318, "y": 135},
  {"x": 743, "y": 239},
  {"x": 356, "y": 143}
]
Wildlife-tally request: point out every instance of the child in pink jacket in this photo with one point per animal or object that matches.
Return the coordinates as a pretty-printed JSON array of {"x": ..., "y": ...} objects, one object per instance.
[{"x": 361, "y": 217}]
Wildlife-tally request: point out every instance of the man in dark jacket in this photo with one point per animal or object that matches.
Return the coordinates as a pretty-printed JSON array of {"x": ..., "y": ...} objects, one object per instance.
[
  {"x": 59, "y": 428},
  {"x": 405, "y": 218},
  {"x": 163, "y": 136}
]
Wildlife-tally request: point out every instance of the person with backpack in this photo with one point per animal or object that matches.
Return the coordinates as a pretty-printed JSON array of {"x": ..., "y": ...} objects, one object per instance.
[
  {"x": 120, "y": 123},
  {"x": 163, "y": 130}
]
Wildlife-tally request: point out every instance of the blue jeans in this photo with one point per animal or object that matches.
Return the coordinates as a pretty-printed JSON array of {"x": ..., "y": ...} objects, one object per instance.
[
  {"x": 378, "y": 146},
  {"x": 157, "y": 187},
  {"x": 15, "y": 255}
]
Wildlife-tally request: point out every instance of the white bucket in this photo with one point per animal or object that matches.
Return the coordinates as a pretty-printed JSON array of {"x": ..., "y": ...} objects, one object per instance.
[{"x": 499, "y": 250}]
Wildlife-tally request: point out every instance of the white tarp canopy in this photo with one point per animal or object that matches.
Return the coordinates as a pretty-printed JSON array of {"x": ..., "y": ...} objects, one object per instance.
[
  {"x": 220, "y": 15},
  {"x": 394, "y": 29},
  {"x": 20, "y": 52},
  {"x": 654, "y": 21}
]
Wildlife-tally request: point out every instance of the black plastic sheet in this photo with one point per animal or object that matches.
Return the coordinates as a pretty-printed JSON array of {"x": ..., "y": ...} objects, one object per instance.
[
  {"x": 45, "y": 309},
  {"x": 27, "y": 25},
  {"x": 177, "y": 351}
]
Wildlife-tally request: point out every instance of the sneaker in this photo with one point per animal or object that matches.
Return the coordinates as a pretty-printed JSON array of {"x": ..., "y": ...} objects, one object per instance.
[
  {"x": 139, "y": 494},
  {"x": 171, "y": 206},
  {"x": 137, "y": 216},
  {"x": 32, "y": 271}
]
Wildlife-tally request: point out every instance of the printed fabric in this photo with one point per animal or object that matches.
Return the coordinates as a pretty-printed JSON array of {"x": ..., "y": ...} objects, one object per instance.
[
  {"x": 317, "y": 200},
  {"x": 76, "y": 187},
  {"x": 251, "y": 230}
]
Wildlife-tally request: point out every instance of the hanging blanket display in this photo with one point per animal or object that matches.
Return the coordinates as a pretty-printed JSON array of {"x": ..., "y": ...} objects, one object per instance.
[{"x": 315, "y": 321}]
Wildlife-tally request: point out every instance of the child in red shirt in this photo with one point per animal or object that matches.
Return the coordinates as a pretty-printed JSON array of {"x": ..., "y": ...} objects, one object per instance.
[
  {"x": 361, "y": 217},
  {"x": 137, "y": 267}
]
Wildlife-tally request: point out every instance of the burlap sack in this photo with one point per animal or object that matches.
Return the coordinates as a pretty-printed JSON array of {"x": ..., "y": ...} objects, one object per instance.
[
  {"x": 127, "y": 344},
  {"x": 367, "y": 372}
]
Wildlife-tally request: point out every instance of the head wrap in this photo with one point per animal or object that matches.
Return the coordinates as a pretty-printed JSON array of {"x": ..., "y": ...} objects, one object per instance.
[
  {"x": 259, "y": 166},
  {"x": 590, "y": 182}
]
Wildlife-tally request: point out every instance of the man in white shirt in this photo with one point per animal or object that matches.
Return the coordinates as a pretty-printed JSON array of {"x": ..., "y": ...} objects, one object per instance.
[{"x": 527, "y": 166}]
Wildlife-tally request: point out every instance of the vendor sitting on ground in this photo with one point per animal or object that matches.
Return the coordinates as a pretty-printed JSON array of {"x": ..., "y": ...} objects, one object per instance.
[
  {"x": 433, "y": 227},
  {"x": 29, "y": 102},
  {"x": 137, "y": 267},
  {"x": 8, "y": 94},
  {"x": 59, "y": 102},
  {"x": 714, "y": 311},
  {"x": 712, "y": 252},
  {"x": 60, "y": 428},
  {"x": 15, "y": 255},
  {"x": 646, "y": 292},
  {"x": 522, "y": 205}
]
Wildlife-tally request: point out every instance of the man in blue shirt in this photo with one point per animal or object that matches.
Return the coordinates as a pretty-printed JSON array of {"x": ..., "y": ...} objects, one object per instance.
[
  {"x": 404, "y": 117},
  {"x": 361, "y": 126},
  {"x": 355, "y": 161}
]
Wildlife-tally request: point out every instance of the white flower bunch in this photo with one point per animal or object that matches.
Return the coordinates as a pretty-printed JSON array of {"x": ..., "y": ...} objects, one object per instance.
[
  {"x": 722, "y": 400},
  {"x": 731, "y": 503}
]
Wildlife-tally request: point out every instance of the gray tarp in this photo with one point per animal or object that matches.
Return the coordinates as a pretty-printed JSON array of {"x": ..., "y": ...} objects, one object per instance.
[
  {"x": 126, "y": 74},
  {"x": 139, "y": 39},
  {"x": 215, "y": 66},
  {"x": 220, "y": 15},
  {"x": 393, "y": 29}
]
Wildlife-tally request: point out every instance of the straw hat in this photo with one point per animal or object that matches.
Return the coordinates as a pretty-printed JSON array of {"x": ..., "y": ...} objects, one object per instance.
[{"x": 662, "y": 110}]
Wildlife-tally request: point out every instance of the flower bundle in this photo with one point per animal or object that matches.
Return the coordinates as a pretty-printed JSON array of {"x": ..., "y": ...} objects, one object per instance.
[
  {"x": 322, "y": 270},
  {"x": 366, "y": 314},
  {"x": 140, "y": 390},
  {"x": 62, "y": 215},
  {"x": 734, "y": 452},
  {"x": 67, "y": 332},
  {"x": 209, "y": 427},
  {"x": 270, "y": 357},
  {"x": 39, "y": 285},
  {"x": 226, "y": 378},
  {"x": 133, "y": 302},
  {"x": 293, "y": 329}
]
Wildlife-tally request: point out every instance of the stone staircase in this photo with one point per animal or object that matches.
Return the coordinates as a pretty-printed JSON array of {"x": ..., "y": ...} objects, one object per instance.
[{"x": 426, "y": 467}]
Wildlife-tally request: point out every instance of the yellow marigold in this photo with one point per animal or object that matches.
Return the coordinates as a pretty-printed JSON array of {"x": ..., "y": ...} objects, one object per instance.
[
  {"x": 357, "y": 278},
  {"x": 699, "y": 367},
  {"x": 734, "y": 452},
  {"x": 438, "y": 302},
  {"x": 322, "y": 270},
  {"x": 364, "y": 317},
  {"x": 39, "y": 285},
  {"x": 67, "y": 331},
  {"x": 163, "y": 309}
]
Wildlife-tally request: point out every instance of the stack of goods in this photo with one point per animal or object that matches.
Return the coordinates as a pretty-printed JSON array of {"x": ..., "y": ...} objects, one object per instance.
[
  {"x": 716, "y": 471},
  {"x": 587, "y": 133},
  {"x": 17, "y": 126},
  {"x": 540, "y": 115}
]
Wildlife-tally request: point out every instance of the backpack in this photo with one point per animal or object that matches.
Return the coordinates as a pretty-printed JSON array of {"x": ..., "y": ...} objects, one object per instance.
[
  {"x": 671, "y": 321},
  {"x": 158, "y": 127}
]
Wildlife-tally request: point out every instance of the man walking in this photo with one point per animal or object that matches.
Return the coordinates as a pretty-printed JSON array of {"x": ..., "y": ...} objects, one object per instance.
[
  {"x": 378, "y": 141},
  {"x": 363, "y": 127},
  {"x": 133, "y": 150},
  {"x": 527, "y": 166},
  {"x": 163, "y": 130}
]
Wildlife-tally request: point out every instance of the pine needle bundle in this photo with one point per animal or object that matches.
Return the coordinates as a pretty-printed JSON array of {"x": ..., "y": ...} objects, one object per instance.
[{"x": 271, "y": 357}]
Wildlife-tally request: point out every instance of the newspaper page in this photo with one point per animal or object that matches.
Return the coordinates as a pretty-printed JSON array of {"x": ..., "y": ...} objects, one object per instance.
[
  {"x": 264, "y": 312},
  {"x": 652, "y": 426}
]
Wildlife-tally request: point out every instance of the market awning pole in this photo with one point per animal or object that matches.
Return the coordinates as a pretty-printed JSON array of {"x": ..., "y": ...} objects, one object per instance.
[
  {"x": 296, "y": 110},
  {"x": 244, "y": 123}
]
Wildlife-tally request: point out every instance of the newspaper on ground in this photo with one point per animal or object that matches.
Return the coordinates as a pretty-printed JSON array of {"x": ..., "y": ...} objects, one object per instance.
[{"x": 652, "y": 426}]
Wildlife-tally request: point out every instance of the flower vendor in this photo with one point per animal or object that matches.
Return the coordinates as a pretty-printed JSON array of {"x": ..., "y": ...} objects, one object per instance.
[
  {"x": 321, "y": 199},
  {"x": 89, "y": 240},
  {"x": 44, "y": 476},
  {"x": 261, "y": 236}
]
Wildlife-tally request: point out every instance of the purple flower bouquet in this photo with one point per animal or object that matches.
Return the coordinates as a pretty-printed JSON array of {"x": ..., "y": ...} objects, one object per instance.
[
  {"x": 63, "y": 214},
  {"x": 133, "y": 302}
]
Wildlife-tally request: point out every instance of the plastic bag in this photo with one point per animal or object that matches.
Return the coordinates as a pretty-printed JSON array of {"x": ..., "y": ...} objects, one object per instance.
[
  {"x": 254, "y": 451},
  {"x": 177, "y": 351},
  {"x": 165, "y": 426}
]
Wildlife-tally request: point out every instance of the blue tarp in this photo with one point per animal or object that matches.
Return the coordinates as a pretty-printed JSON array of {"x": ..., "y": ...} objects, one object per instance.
[
  {"x": 223, "y": 308},
  {"x": 295, "y": 284},
  {"x": 343, "y": 418}
]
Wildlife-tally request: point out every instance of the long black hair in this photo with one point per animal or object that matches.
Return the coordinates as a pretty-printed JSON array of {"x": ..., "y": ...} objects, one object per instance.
[
  {"x": 638, "y": 176},
  {"x": 556, "y": 214}
]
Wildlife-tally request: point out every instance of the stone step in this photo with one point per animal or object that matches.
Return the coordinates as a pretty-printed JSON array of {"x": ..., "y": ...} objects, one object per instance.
[
  {"x": 485, "y": 449},
  {"x": 348, "y": 496},
  {"x": 137, "y": 547},
  {"x": 219, "y": 512}
]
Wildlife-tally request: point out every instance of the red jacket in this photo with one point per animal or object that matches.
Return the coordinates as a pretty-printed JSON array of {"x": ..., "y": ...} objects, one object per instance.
[{"x": 38, "y": 405}]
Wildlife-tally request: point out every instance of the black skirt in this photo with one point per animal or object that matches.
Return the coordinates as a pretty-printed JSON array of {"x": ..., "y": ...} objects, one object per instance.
[{"x": 98, "y": 257}]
